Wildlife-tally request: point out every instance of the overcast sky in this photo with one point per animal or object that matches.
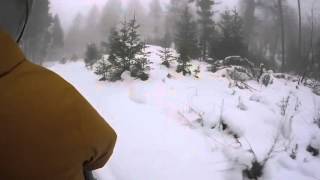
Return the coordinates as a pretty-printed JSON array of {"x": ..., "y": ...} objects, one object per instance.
[{"x": 67, "y": 9}]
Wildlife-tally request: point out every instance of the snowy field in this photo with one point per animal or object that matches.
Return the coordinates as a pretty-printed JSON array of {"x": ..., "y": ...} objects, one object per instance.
[{"x": 183, "y": 128}]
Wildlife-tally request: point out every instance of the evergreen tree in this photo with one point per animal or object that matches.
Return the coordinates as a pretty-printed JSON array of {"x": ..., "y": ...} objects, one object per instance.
[
  {"x": 91, "y": 31},
  {"x": 137, "y": 52},
  {"x": 127, "y": 53},
  {"x": 57, "y": 33},
  {"x": 74, "y": 41},
  {"x": 92, "y": 55},
  {"x": 117, "y": 49},
  {"x": 166, "y": 57},
  {"x": 141, "y": 65},
  {"x": 207, "y": 26},
  {"x": 174, "y": 11},
  {"x": 103, "y": 70},
  {"x": 232, "y": 40},
  {"x": 57, "y": 40},
  {"x": 197, "y": 72},
  {"x": 36, "y": 39},
  {"x": 186, "y": 41}
]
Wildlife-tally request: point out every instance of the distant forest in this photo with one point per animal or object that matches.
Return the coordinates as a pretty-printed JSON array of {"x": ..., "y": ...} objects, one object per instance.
[{"x": 273, "y": 32}]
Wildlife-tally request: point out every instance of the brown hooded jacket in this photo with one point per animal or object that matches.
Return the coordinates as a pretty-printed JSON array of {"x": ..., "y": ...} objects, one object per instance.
[{"x": 48, "y": 131}]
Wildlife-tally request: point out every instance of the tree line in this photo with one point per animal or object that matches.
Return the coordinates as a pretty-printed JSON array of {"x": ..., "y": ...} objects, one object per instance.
[
  {"x": 44, "y": 36},
  {"x": 283, "y": 34},
  {"x": 195, "y": 35},
  {"x": 275, "y": 33}
]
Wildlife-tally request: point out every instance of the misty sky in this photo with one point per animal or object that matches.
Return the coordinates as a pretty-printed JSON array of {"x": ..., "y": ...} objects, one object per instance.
[{"x": 67, "y": 9}]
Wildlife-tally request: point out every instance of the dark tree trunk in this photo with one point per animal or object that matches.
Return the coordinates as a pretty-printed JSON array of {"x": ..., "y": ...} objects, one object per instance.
[
  {"x": 300, "y": 31},
  {"x": 249, "y": 20},
  {"x": 283, "y": 58}
]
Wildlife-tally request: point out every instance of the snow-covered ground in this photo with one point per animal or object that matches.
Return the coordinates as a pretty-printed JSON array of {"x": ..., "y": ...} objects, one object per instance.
[{"x": 185, "y": 128}]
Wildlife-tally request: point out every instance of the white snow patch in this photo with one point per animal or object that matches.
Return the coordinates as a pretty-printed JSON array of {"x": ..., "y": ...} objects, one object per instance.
[{"x": 168, "y": 129}]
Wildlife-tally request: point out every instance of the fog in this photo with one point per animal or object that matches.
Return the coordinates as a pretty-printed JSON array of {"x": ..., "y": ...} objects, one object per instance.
[
  {"x": 265, "y": 31},
  {"x": 67, "y": 9}
]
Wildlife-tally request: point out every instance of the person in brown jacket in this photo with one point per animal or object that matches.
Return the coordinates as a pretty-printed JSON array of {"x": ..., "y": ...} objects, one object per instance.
[{"x": 48, "y": 131}]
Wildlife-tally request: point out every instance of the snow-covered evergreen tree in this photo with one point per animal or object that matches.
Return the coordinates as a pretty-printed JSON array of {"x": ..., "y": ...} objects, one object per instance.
[
  {"x": 197, "y": 72},
  {"x": 140, "y": 63},
  {"x": 127, "y": 53},
  {"x": 166, "y": 57},
  {"x": 103, "y": 69}
]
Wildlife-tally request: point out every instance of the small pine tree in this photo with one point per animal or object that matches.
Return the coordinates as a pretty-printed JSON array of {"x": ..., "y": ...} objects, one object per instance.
[
  {"x": 102, "y": 69},
  {"x": 92, "y": 55},
  {"x": 186, "y": 42},
  {"x": 127, "y": 53},
  {"x": 116, "y": 62},
  {"x": 196, "y": 72},
  {"x": 232, "y": 40},
  {"x": 166, "y": 57},
  {"x": 141, "y": 65},
  {"x": 137, "y": 52}
]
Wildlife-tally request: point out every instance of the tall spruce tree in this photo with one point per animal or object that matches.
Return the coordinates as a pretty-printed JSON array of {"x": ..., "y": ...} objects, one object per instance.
[
  {"x": 74, "y": 41},
  {"x": 57, "y": 33},
  {"x": 91, "y": 31},
  {"x": 232, "y": 40},
  {"x": 207, "y": 25},
  {"x": 186, "y": 41},
  {"x": 57, "y": 40},
  {"x": 36, "y": 39}
]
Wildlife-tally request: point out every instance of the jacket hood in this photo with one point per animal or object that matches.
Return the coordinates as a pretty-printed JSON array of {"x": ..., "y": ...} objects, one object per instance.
[
  {"x": 10, "y": 54},
  {"x": 14, "y": 15}
]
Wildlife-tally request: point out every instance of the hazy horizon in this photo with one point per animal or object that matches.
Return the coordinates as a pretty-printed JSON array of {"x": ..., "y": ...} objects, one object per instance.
[{"x": 67, "y": 9}]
